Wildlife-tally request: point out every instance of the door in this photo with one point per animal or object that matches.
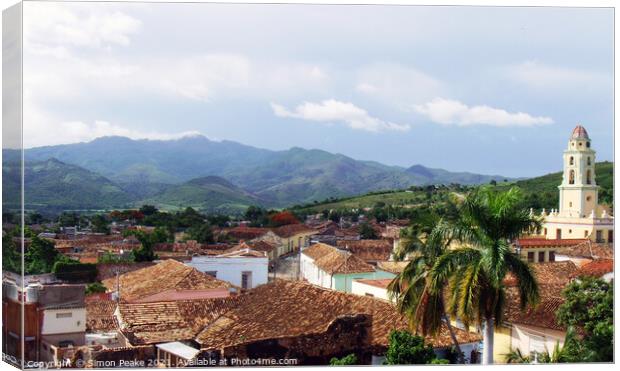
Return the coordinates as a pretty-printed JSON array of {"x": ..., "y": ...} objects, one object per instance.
[
  {"x": 558, "y": 234},
  {"x": 599, "y": 236},
  {"x": 246, "y": 280},
  {"x": 610, "y": 236}
]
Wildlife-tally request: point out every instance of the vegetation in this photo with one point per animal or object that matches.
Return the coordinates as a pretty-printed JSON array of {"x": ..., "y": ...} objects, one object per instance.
[
  {"x": 407, "y": 349},
  {"x": 202, "y": 233},
  {"x": 94, "y": 288},
  {"x": 589, "y": 309},
  {"x": 348, "y": 360},
  {"x": 147, "y": 242},
  {"x": 487, "y": 221},
  {"x": 542, "y": 192},
  {"x": 412, "y": 289},
  {"x": 74, "y": 271},
  {"x": 367, "y": 232}
]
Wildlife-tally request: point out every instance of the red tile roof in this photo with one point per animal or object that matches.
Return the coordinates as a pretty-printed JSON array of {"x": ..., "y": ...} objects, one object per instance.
[
  {"x": 579, "y": 132},
  {"x": 588, "y": 250},
  {"x": 291, "y": 230},
  {"x": 368, "y": 250},
  {"x": 595, "y": 268},
  {"x": 166, "y": 275},
  {"x": 550, "y": 273},
  {"x": 335, "y": 261},
  {"x": 100, "y": 316},
  {"x": 174, "y": 295},
  {"x": 543, "y": 242},
  {"x": 543, "y": 315}
]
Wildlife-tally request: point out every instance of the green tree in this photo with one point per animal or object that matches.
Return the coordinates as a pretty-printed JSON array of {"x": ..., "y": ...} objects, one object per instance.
[
  {"x": 407, "y": 349},
  {"x": 40, "y": 256},
  {"x": 367, "y": 232},
  {"x": 148, "y": 210},
  {"x": 348, "y": 360},
  {"x": 95, "y": 287},
  {"x": 488, "y": 221},
  {"x": 589, "y": 308},
  {"x": 411, "y": 289},
  {"x": 202, "y": 233},
  {"x": 100, "y": 224},
  {"x": 147, "y": 243},
  {"x": 11, "y": 258}
]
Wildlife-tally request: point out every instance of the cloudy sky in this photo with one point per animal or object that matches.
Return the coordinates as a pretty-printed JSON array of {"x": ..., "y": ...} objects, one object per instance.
[{"x": 489, "y": 90}]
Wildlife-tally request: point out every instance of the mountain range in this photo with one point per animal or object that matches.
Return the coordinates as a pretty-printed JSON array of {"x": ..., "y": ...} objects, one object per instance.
[{"x": 112, "y": 172}]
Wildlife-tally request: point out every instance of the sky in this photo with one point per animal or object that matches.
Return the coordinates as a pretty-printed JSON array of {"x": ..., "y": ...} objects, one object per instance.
[{"x": 493, "y": 90}]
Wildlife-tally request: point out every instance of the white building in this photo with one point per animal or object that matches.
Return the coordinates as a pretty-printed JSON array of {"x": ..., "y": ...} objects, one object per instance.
[
  {"x": 244, "y": 268},
  {"x": 579, "y": 215},
  {"x": 373, "y": 288}
]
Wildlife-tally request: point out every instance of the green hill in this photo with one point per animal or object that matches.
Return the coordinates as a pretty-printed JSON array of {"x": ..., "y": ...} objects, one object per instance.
[
  {"x": 539, "y": 192},
  {"x": 542, "y": 192},
  {"x": 210, "y": 194},
  {"x": 53, "y": 185}
]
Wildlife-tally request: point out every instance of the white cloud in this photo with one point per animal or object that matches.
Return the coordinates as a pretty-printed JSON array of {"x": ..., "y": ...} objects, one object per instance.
[
  {"x": 49, "y": 28},
  {"x": 396, "y": 84},
  {"x": 336, "y": 111},
  {"x": 452, "y": 112},
  {"x": 543, "y": 76}
]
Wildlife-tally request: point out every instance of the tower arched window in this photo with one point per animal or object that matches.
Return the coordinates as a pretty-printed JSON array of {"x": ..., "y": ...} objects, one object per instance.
[
  {"x": 571, "y": 177},
  {"x": 571, "y": 161},
  {"x": 588, "y": 177},
  {"x": 589, "y": 161}
]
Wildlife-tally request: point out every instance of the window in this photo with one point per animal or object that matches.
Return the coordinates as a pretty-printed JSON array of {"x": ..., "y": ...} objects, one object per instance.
[
  {"x": 589, "y": 198},
  {"x": 558, "y": 234},
  {"x": 588, "y": 144},
  {"x": 64, "y": 315},
  {"x": 585, "y": 234},
  {"x": 530, "y": 257},
  {"x": 545, "y": 231},
  {"x": 551, "y": 256},
  {"x": 610, "y": 236},
  {"x": 369, "y": 294},
  {"x": 571, "y": 177},
  {"x": 570, "y": 204},
  {"x": 541, "y": 256},
  {"x": 588, "y": 177},
  {"x": 570, "y": 231},
  {"x": 589, "y": 161},
  {"x": 211, "y": 273},
  {"x": 572, "y": 160},
  {"x": 246, "y": 280}
]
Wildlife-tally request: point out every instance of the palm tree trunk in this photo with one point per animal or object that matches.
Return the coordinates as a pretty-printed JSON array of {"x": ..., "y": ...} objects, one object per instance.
[
  {"x": 487, "y": 339},
  {"x": 454, "y": 340}
]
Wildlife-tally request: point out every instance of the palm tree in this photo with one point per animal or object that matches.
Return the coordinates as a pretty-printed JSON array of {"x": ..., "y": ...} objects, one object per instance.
[
  {"x": 488, "y": 221},
  {"x": 410, "y": 288}
]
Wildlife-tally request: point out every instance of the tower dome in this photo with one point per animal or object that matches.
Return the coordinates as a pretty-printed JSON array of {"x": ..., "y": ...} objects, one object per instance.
[{"x": 579, "y": 132}]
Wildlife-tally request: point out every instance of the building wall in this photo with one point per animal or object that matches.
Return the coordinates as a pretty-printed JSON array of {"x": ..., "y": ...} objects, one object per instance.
[
  {"x": 294, "y": 243},
  {"x": 363, "y": 289},
  {"x": 58, "y": 321},
  {"x": 502, "y": 343},
  {"x": 313, "y": 274},
  {"x": 578, "y": 228},
  {"x": 531, "y": 338},
  {"x": 230, "y": 269},
  {"x": 343, "y": 282}
]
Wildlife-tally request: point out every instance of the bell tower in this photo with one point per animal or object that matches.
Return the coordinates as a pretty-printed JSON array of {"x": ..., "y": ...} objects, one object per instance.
[{"x": 578, "y": 191}]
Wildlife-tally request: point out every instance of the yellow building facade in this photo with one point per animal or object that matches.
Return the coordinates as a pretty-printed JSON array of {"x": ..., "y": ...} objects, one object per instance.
[{"x": 579, "y": 214}]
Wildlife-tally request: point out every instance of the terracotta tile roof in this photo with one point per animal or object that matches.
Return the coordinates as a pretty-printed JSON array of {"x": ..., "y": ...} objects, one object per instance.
[
  {"x": 151, "y": 323},
  {"x": 527, "y": 243},
  {"x": 166, "y": 275},
  {"x": 579, "y": 132},
  {"x": 245, "y": 233},
  {"x": 542, "y": 315},
  {"x": 392, "y": 266},
  {"x": 595, "y": 268},
  {"x": 588, "y": 250},
  {"x": 174, "y": 295},
  {"x": 381, "y": 283},
  {"x": 335, "y": 261},
  {"x": 291, "y": 230},
  {"x": 266, "y": 312},
  {"x": 368, "y": 250},
  {"x": 551, "y": 273},
  {"x": 100, "y": 316}
]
